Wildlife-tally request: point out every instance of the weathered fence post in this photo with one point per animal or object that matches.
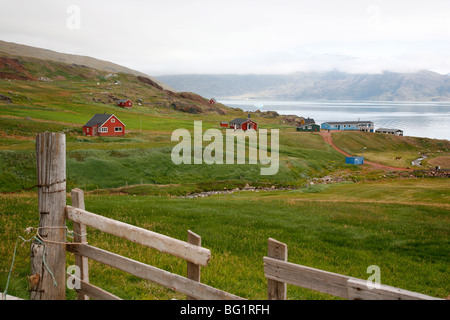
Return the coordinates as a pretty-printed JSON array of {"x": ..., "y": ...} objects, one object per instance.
[
  {"x": 79, "y": 236},
  {"x": 193, "y": 270},
  {"x": 276, "y": 290},
  {"x": 48, "y": 255}
]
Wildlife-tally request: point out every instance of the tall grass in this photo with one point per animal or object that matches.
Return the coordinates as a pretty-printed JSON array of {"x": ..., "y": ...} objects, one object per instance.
[{"x": 408, "y": 242}]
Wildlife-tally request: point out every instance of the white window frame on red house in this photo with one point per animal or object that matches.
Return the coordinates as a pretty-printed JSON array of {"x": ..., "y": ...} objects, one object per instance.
[
  {"x": 104, "y": 129},
  {"x": 118, "y": 129}
]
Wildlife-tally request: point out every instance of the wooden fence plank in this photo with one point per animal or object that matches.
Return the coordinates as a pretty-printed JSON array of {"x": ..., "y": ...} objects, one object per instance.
[
  {"x": 178, "y": 248},
  {"x": 276, "y": 290},
  {"x": 310, "y": 278},
  {"x": 193, "y": 270},
  {"x": 96, "y": 293},
  {"x": 176, "y": 282},
  {"x": 79, "y": 236},
  {"x": 358, "y": 290}
]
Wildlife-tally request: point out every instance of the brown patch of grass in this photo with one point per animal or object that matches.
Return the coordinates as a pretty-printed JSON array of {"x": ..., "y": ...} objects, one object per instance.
[{"x": 443, "y": 162}]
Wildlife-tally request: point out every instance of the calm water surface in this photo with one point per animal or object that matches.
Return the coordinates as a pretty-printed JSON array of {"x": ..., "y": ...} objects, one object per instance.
[{"x": 418, "y": 119}]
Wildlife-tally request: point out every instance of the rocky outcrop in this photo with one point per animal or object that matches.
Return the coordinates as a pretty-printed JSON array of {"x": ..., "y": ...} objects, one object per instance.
[
  {"x": 247, "y": 187},
  {"x": 13, "y": 69},
  {"x": 5, "y": 98},
  {"x": 150, "y": 82}
]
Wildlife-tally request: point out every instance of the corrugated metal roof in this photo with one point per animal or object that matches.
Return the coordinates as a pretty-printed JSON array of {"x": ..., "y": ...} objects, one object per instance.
[
  {"x": 348, "y": 122},
  {"x": 388, "y": 130},
  {"x": 98, "y": 119},
  {"x": 241, "y": 120},
  {"x": 307, "y": 125}
]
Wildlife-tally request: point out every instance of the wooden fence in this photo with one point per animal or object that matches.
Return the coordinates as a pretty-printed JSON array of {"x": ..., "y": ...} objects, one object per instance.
[
  {"x": 48, "y": 252},
  {"x": 279, "y": 272},
  {"x": 195, "y": 255}
]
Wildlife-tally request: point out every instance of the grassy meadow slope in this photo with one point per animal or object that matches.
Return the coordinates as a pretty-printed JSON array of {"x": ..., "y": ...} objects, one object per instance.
[
  {"x": 398, "y": 222},
  {"x": 69, "y": 95},
  {"x": 385, "y": 149}
]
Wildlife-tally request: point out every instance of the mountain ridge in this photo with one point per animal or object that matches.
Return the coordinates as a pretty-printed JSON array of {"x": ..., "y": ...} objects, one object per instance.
[
  {"x": 331, "y": 85},
  {"x": 14, "y": 49}
]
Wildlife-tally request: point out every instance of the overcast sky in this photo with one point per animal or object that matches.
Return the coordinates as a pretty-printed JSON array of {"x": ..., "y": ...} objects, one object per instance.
[{"x": 239, "y": 36}]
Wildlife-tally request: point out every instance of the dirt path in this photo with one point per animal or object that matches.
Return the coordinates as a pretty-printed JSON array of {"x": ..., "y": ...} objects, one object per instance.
[{"x": 328, "y": 139}]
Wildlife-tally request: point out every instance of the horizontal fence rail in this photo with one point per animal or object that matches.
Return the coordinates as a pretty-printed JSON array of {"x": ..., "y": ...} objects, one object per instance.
[
  {"x": 305, "y": 277},
  {"x": 162, "y": 243},
  {"x": 358, "y": 290},
  {"x": 176, "y": 282},
  {"x": 92, "y": 291},
  {"x": 281, "y": 271}
]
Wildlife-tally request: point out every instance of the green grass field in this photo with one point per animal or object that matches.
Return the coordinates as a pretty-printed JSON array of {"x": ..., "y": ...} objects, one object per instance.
[{"x": 409, "y": 242}]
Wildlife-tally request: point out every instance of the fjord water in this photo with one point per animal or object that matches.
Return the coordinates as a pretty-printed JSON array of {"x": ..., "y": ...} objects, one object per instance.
[{"x": 417, "y": 119}]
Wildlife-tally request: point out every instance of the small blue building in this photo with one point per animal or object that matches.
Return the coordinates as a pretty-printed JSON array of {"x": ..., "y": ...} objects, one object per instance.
[
  {"x": 366, "y": 126},
  {"x": 354, "y": 160}
]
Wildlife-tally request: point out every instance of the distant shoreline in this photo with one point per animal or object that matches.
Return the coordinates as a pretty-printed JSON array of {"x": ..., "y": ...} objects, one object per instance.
[{"x": 416, "y": 118}]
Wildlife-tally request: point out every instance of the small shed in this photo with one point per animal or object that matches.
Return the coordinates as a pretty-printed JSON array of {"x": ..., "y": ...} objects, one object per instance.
[
  {"x": 354, "y": 160},
  {"x": 126, "y": 103},
  {"x": 213, "y": 101},
  {"x": 224, "y": 124},
  {"x": 309, "y": 128}
]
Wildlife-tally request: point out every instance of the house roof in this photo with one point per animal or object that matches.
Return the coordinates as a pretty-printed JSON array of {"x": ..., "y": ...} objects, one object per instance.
[
  {"x": 388, "y": 130},
  {"x": 309, "y": 121},
  {"x": 347, "y": 122},
  {"x": 307, "y": 125},
  {"x": 241, "y": 120},
  {"x": 100, "y": 119},
  {"x": 124, "y": 100}
]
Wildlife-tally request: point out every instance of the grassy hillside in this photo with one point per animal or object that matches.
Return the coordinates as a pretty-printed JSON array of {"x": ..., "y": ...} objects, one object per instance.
[
  {"x": 14, "y": 50},
  {"x": 384, "y": 148},
  {"x": 68, "y": 95}
]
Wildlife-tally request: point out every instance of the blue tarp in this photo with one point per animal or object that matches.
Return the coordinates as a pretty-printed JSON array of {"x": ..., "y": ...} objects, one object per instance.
[{"x": 354, "y": 160}]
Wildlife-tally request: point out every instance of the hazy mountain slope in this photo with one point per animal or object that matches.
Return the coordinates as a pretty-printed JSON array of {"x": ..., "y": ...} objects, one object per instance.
[
  {"x": 333, "y": 85},
  {"x": 30, "y": 82},
  {"x": 14, "y": 49}
]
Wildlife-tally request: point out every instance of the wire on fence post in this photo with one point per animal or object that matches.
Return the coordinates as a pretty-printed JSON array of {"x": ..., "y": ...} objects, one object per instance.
[{"x": 10, "y": 270}]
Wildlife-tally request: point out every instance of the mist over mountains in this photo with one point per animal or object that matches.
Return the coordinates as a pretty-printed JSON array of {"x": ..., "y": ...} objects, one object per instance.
[{"x": 331, "y": 85}]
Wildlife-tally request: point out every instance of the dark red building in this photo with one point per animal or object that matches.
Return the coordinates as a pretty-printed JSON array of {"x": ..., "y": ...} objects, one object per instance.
[
  {"x": 104, "y": 125},
  {"x": 126, "y": 103},
  {"x": 243, "y": 124}
]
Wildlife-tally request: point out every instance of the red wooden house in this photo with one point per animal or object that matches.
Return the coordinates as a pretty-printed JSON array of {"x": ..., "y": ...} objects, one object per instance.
[
  {"x": 104, "y": 125},
  {"x": 213, "y": 101},
  {"x": 243, "y": 124},
  {"x": 126, "y": 103}
]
